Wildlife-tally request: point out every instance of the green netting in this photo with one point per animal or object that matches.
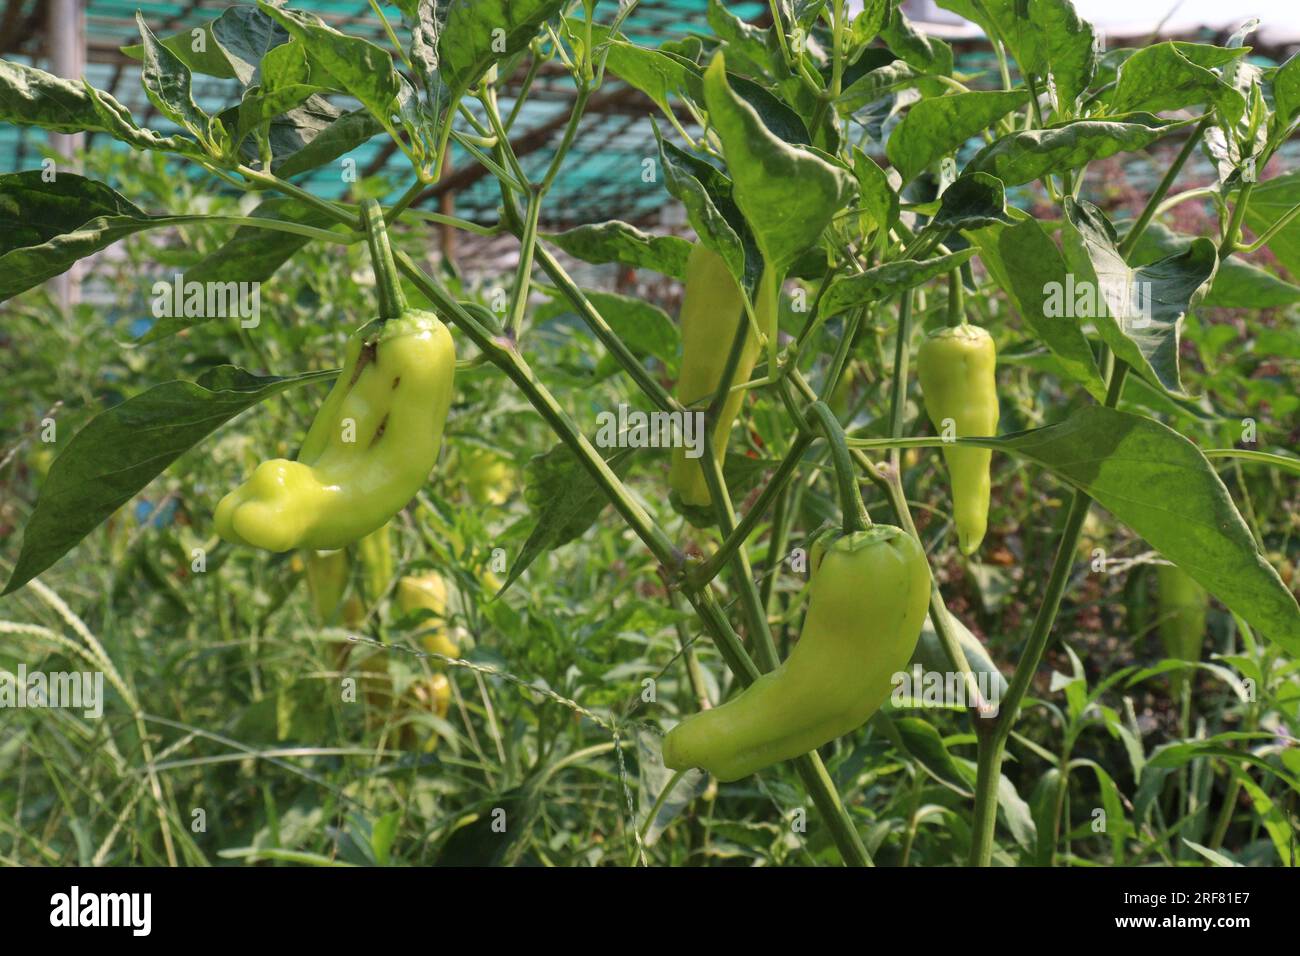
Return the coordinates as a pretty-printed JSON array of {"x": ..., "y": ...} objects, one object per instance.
[{"x": 601, "y": 178}]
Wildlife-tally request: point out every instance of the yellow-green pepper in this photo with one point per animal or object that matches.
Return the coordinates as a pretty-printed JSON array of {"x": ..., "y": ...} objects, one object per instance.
[
  {"x": 429, "y": 592},
  {"x": 712, "y": 310},
  {"x": 956, "y": 368},
  {"x": 373, "y": 442},
  {"x": 868, "y": 598}
]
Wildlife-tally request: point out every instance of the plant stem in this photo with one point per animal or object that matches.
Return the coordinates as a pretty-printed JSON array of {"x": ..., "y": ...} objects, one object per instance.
[
  {"x": 601, "y": 329},
  {"x": 392, "y": 302},
  {"x": 517, "y": 370},
  {"x": 898, "y": 389},
  {"x": 992, "y": 736},
  {"x": 853, "y": 513},
  {"x": 956, "y": 301},
  {"x": 777, "y": 486},
  {"x": 1162, "y": 190},
  {"x": 1229, "y": 244},
  {"x": 524, "y": 273}
]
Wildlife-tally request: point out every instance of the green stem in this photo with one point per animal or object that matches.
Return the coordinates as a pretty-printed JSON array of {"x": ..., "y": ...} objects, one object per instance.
[
  {"x": 524, "y": 273},
  {"x": 1272, "y": 230},
  {"x": 956, "y": 301},
  {"x": 405, "y": 199},
  {"x": 602, "y": 330},
  {"x": 518, "y": 371},
  {"x": 707, "y": 571},
  {"x": 444, "y": 220},
  {"x": 279, "y": 225},
  {"x": 570, "y": 130},
  {"x": 853, "y": 513},
  {"x": 289, "y": 189},
  {"x": 1229, "y": 244},
  {"x": 992, "y": 736},
  {"x": 1166, "y": 183},
  {"x": 659, "y": 802},
  {"x": 898, "y": 388},
  {"x": 392, "y": 302}
]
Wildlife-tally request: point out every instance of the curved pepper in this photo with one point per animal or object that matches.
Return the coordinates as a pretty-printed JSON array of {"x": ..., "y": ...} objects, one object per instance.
[
  {"x": 869, "y": 595},
  {"x": 956, "y": 370},
  {"x": 712, "y": 308},
  {"x": 372, "y": 444}
]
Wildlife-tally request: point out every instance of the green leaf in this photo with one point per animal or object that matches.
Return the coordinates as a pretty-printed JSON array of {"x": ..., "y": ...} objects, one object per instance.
[
  {"x": 788, "y": 195},
  {"x": 354, "y": 65},
  {"x": 619, "y": 242},
  {"x": 167, "y": 83},
  {"x": 116, "y": 120},
  {"x": 1275, "y": 820},
  {"x": 1117, "y": 826},
  {"x": 32, "y": 97},
  {"x": 107, "y": 462},
  {"x": 307, "y": 138},
  {"x": 877, "y": 198},
  {"x": 930, "y": 655},
  {"x": 250, "y": 255},
  {"x": 565, "y": 500},
  {"x": 34, "y": 210},
  {"x": 1179, "y": 753},
  {"x": 1138, "y": 312},
  {"x": 1024, "y": 156},
  {"x": 1045, "y": 37},
  {"x": 1286, "y": 90},
  {"x": 478, "y": 33},
  {"x": 1039, "y": 274},
  {"x": 850, "y": 292},
  {"x": 924, "y": 745},
  {"x": 973, "y": 201},
  {"x": 1237, "y": 284},
  {"x": 926, "y": 54},
  {"x": 875, "y": 83},
  {"x": 1161, "y": 78},
  {"x": 1159, "y": 484},
  {"x": 50, "y": 225},
  {"x": 869, "y": 22},
  {"x": 645, "y": 328},
  {"x": 746, "y": 45},
  {"x": 935, "y": 127},
  {"x": 286, "y": 87},
  {"x": 232, "y": 45},
  {"x": 657, "y": 74},
  {"x": 1269, "y": 202},
  {"x": 1209, "y": 56},
  {"x": 707, "y": 194},
  {"x": 197, "y": 48}
]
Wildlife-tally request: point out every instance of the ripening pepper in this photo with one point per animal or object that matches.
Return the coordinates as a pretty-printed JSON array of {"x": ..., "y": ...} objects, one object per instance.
[
  {"x": 429, "y": 592},
  {"x": 1182, "y": 604},
  {"x": 430, "y": 695},
  {"x": 373, "y": 442},
  {"x": 712, "y": 309},
  {"x": 868, "y": 598},
  {"x": 375, "y": 551},
  {"x": 956, "y": 369},
  {"x": 488, "y": 477}
]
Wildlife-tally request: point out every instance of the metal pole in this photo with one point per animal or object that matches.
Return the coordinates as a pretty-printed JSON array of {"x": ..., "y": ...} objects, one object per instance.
[{"x": 65, "y": 29}]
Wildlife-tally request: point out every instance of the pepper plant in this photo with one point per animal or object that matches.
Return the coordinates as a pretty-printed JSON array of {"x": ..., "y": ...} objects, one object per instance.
[{"x": 849, "y": 191}]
